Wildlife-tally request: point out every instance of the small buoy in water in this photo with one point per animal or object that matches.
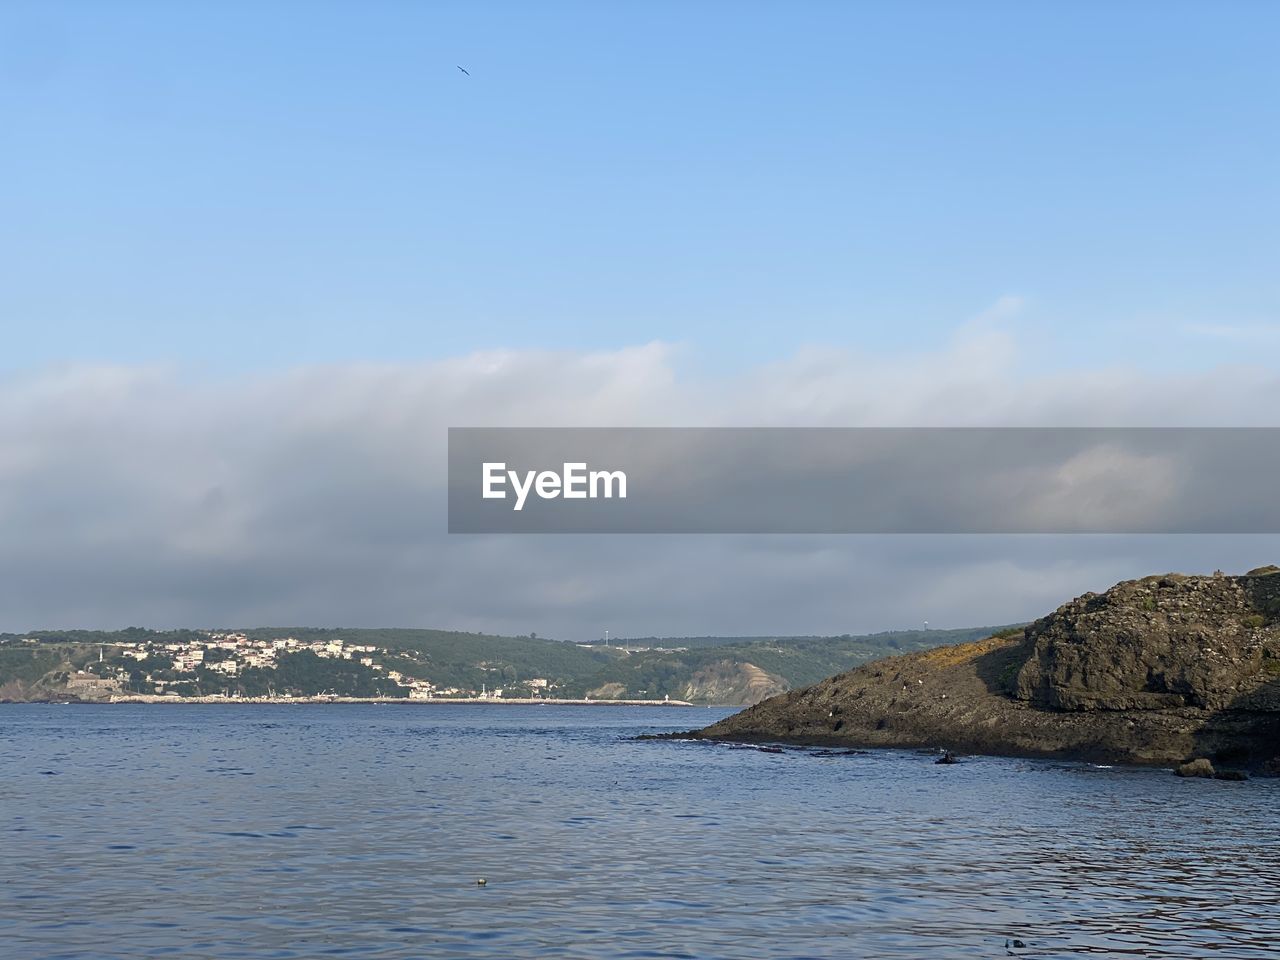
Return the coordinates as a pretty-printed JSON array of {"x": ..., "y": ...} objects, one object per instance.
[{"x": 481, "y": 882}]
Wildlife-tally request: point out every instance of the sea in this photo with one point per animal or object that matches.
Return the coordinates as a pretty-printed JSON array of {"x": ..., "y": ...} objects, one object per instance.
[{"x": 434, "y": 830}]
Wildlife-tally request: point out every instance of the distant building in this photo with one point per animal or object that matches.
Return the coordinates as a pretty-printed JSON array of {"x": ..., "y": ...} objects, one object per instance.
[{"x": 89, "y": 685}]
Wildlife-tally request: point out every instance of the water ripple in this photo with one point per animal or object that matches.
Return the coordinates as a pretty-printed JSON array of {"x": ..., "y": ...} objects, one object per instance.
[{"x": 207, "y": 832}]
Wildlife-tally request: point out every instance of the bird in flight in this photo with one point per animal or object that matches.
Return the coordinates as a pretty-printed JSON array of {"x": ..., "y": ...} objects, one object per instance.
[{"x": 465, "y": 70}]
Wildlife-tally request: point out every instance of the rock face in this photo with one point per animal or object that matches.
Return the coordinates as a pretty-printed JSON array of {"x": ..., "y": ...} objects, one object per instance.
[
  {"x": 727, "y": 681},
  {"x": 1151, "y": 671},
  {"x": 1168, "y": 641}
]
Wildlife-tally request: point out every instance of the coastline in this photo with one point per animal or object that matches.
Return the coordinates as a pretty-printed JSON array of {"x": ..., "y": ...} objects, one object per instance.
[
  {"x": 1162, "y": 670},
  {"x": 406, "y": 701}
]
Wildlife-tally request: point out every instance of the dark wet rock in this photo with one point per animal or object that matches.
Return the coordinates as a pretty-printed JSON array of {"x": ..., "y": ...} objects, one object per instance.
[
  {"x": 1151, "y": 671},
  {"x": 947, "y": 757},
  {"x": 1199, "y": 767},
  {"x": 1167, "y": 641},
  {"x": 1230, "y": 775}
]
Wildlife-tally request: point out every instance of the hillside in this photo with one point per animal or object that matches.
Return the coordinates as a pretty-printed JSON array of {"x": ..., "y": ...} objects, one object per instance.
[
  {"x": 1156, "y": 670},
  {"x": 903, "y": 640},
  {"x": 82, "y": 664},
  {"x": 699, "y": 668}
]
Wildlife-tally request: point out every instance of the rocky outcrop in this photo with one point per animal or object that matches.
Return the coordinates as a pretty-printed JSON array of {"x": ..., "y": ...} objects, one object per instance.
[
  {"x": 1152, "y": 671},
  {"x": 16, "y": 691},
  {"x": 1199, "y": 767},
  {"x": 731, "y": 681},
  {"x": 1167, "y": 641}
]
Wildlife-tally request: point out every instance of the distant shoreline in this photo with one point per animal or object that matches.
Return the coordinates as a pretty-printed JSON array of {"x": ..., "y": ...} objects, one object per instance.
[{"x": 405, "y": 701}]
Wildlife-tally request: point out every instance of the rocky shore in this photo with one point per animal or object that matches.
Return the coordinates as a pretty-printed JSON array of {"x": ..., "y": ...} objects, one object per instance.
[{"x": 1160, "y": 670}]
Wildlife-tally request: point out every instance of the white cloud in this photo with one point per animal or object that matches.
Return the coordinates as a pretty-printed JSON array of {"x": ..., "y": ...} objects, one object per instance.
[{"x": 314, "y": 495}]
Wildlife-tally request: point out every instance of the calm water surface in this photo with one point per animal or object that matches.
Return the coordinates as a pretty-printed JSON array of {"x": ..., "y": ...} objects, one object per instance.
[{"x": 316, "y": 831}]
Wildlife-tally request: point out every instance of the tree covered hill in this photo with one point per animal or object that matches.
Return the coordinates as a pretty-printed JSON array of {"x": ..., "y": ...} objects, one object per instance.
[
  {"x": 732, "y": 670},
  {"x": 697, "y": 668},
  {"x": 889, "y": 639}
]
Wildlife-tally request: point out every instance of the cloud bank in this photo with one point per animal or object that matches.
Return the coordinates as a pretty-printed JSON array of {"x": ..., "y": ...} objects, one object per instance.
[{"x": 315, "y": 496}]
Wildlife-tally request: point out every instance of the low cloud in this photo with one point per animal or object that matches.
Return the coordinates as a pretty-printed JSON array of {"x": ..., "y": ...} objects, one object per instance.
[{"x": 316, "y": 496}]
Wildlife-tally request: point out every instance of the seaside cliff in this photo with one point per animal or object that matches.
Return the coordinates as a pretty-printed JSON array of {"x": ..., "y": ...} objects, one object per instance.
[{"x": 1157, "y": 670}]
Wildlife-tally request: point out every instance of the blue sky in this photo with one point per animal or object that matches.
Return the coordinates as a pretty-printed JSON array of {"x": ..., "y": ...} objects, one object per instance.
[
  {"x": 242, "y": 186},
  {"x": 213, "y": 213}
]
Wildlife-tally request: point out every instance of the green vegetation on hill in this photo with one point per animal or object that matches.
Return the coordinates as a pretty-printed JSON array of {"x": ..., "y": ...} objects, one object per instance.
[
  {"x": 90, "y": 637},
  {"x": 305, "y": 674},
  {"x": 889, "y": 639},
  {"x": 668, "y": 670},
  {"x": 708, "y": 669},
  {"x": 464, "y": 660},
  {"x": 26, "y": 664}
]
